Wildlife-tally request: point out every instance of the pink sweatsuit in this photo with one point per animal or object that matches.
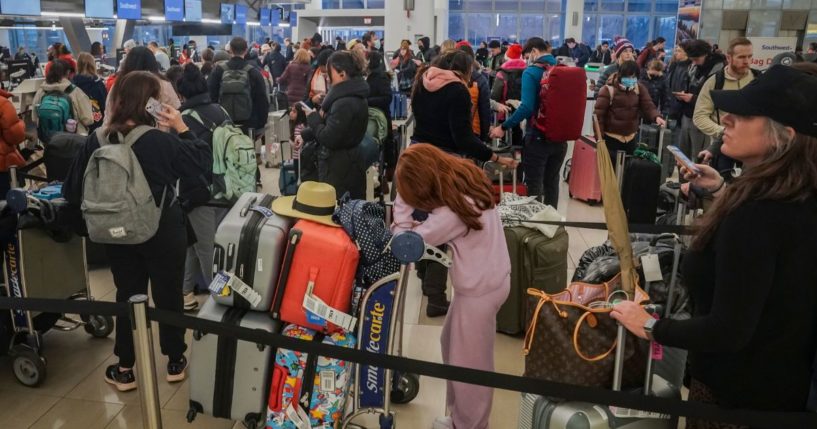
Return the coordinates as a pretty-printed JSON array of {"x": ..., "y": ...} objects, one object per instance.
[{"x": 480, "y": 273}]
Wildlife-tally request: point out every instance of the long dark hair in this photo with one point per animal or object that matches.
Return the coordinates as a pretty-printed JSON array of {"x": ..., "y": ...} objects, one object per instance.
[
  {"x": 428, "y": 178},
  {"x": 58, "y": 71},
  {"x": 456, "y": 61},
  {"x": 129, "y": 97},
  {"x": 301, "y": 119},
  {"x": 139, "y": 59},
  {"x": 788, "y": 173}
]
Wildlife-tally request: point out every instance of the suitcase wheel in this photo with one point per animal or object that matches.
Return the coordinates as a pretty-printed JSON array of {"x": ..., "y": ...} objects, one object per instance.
[
  {"x": 405, "y": 388},
  {"x": 98, "y": 326},
  {"x": 191, "y": 415},
  {"x": 386, "y": 421},
  {"x": 28, "y": 366},
  {"x": 251, "y": 420}
]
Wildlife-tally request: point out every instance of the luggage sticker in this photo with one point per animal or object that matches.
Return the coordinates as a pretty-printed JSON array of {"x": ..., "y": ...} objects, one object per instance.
[
  {"x": 219, "y": 282},
  {"x": 267, "y": 213},
  {"x": 317, "y": 308},
  {"x": 327, "y": 381}
]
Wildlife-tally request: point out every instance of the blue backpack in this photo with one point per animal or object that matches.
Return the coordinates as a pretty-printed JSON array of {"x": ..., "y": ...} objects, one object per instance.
[{"x": 365, "y": 223}]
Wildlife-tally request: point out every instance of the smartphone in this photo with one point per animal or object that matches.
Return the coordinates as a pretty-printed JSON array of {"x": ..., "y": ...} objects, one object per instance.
[
  {"x": 683, "y": 159},
  {"x": 154, "y": 107},
  {"x": 308, "y": 110}
]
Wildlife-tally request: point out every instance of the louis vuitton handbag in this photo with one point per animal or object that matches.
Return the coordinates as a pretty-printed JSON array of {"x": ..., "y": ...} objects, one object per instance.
[{"x": 571, "y": 337}]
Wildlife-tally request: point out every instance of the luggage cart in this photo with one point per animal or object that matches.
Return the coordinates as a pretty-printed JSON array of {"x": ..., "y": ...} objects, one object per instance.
[
  {"x": 381, "y": 331},
  {"x": 36, "y": 264}
]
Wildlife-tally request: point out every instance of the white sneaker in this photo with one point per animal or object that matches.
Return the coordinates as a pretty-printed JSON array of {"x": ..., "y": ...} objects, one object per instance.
[
  {"x": 442, "y": 423},
  {"x": 190, "y": 302}
]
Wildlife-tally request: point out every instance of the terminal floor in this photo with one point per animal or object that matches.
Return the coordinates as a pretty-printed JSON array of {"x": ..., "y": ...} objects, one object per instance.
[{"x": 75, "y": 394}]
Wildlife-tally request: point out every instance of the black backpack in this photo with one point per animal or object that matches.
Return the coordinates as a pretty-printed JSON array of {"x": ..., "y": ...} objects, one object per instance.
[
  {"x": 513, "y": 85},
  {"x": 235, "y": 96}
]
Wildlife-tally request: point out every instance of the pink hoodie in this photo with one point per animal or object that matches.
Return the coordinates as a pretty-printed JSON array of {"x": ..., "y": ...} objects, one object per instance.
[
  {"x": 517, "y": 64},
  {"x": 435, "y": 78}
]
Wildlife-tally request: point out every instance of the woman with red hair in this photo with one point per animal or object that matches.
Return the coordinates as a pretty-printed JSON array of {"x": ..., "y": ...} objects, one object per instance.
[{"x": 448, "y": 200}]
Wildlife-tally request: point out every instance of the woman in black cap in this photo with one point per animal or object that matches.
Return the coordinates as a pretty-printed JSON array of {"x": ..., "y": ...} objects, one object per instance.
[{"x": 753, "y": 335}]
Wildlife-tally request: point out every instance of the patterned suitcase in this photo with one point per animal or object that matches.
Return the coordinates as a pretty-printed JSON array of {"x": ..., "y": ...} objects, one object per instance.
[
  {"x": 584, "y": 183},
  {"x": 250, "y": 243},
  {"x": 322, "y": 259},
  {"x": 317, "y": 385},
  {"x": 227, "y": 376}
]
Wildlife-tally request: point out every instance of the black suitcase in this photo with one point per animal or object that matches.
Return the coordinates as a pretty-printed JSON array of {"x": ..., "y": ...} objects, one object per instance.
[
  {"x": 639, "y": 190},
  {"x": 59, "y": 154}
]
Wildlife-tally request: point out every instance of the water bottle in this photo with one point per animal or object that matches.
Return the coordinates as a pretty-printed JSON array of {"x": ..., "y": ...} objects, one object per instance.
[{"x": 71, "y": 126}]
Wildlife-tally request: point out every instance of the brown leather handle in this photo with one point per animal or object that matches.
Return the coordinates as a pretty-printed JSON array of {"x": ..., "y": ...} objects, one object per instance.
[{"x": 576, "y": 341}]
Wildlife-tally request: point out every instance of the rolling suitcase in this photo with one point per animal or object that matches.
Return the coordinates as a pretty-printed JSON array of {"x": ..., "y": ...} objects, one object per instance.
[
  {"x": 228, "y": 377},
  {"x": 320, "y": 262},
  {"x": 584, "y": 183},
  {"x": 313, "y": 387},
  {"x": 655, "y": 137},
  {"x": 639, "y": 188},
  {"x": 536, "y": 261},
  {"x": 250, "y": 243},
  {"x": 501, "y": 188}
]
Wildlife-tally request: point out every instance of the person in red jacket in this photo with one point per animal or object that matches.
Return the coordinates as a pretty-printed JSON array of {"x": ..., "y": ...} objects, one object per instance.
[
  {"x": 61, "y": 52},
  {"x": 12, "y": 133}
]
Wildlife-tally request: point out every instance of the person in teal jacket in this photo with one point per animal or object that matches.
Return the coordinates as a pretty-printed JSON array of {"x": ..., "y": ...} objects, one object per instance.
[{"x": 541, "y": 159}]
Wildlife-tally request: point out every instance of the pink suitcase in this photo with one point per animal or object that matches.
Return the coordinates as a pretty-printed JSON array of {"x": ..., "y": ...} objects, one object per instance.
[{"x": 584, "y": 183}]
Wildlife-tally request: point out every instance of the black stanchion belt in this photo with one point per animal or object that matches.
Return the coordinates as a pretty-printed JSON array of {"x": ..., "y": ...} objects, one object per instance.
[
  {"x": 755, "y": 419},
  {"x": 643, "y": 228}
]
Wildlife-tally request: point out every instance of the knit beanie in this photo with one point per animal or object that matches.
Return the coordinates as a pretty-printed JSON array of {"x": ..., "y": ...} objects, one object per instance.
[
  {"x": 622, "y": 44},
  {"x": 514, "y": 52},
  {"x": 463, "y": 43}
]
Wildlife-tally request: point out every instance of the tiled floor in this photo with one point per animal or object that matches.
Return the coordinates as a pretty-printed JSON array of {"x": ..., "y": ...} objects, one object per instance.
[{"x": 76, "y": 396}]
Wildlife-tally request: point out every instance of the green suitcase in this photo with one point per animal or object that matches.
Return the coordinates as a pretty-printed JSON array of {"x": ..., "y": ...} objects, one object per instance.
[{"x": 536, "y": 262}]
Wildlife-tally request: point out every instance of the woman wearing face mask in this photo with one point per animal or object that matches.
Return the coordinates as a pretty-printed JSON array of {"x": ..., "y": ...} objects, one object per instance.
[
  {"x": 620, "y": 106},
  {"x": 340, "y": 126}
]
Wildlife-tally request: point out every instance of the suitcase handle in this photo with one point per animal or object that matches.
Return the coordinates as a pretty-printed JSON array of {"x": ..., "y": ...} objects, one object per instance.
[
  {"x": 249, "y": 204},
  {"x": 294, "y": 237}
]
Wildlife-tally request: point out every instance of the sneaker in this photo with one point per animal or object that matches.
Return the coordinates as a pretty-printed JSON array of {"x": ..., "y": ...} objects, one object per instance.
[
  {"x": 176, "y": 371},
  {"x": 190, "y": 302},
  {"x": 123, "y": 380},
  {"x": 269, "y": 164},
  {"x": 442, "y": 423}
]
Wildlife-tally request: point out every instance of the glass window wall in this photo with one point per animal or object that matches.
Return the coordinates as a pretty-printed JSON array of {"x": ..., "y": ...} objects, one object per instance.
[{"x": 638, "y": 20}]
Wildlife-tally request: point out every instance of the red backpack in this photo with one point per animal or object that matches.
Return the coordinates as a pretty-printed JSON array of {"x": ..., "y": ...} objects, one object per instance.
[{"x": 562, "y": 102}]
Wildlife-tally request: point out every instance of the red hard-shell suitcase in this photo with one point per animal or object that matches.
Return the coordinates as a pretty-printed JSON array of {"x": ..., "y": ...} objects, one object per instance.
[
  {"x": 563, "y": 98},
  {"x": 584, "y": 183},
  {"x": 320, "y": 256}
]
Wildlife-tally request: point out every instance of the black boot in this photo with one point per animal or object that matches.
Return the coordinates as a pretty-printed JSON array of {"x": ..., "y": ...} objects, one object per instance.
[{"x": 437, "y": 305}]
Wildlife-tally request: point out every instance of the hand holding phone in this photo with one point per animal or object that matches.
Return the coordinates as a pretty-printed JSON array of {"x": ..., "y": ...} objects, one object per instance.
[
  {"x": 154, "y": 107},
  {"x": 308, "y": 110},
  {"x": 683, "y": 160}
]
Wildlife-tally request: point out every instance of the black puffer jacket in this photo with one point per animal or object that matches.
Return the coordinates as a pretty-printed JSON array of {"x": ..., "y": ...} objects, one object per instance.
[
  {"x": 677, "y": 81},
  {"x": 698, "y": 75},
  {"x": 338, "y": 134}
]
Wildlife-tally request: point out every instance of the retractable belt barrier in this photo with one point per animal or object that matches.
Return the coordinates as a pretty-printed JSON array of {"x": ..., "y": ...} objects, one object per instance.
[
  {"x": 755, "y": 419},
  {"x": 643, "y": 228}
]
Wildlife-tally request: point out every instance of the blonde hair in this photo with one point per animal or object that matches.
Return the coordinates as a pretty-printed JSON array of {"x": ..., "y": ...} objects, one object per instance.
[
  {"x": 86, "y": 64},
  {"x": 302, "y": 56},
  {"x": 448, "y": 46}
]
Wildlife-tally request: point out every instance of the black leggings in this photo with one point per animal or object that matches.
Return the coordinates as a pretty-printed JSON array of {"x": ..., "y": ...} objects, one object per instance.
[{"x": 159, "y": 261}]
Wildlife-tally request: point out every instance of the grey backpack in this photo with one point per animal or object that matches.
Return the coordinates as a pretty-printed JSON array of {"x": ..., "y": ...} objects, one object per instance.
[
  {"x": 117, "y": 203},
  {"x": 235, "y": 96}
]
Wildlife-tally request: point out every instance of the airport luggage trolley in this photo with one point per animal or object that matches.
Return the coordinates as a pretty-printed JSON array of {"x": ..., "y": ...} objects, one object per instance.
[
  {"x": 39, "y": 264},
  {"x": 381, "y": 331}
]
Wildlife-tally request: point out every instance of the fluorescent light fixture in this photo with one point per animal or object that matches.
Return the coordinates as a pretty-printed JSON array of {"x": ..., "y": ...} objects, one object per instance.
[
  {"x": 253, "y": 24},
  {"x": 61, "y": 14},
  {"x": 283, "y": 24},
  {"x": 28, "y": 27},
  {"x": 210, "y": 21},
  {"x": 156, "y": 18}
]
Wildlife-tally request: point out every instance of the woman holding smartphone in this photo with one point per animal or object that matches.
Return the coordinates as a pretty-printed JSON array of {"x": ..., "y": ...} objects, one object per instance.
[
  {"x": 755, "y": 301},
  {"x": 164, "y": 158}
]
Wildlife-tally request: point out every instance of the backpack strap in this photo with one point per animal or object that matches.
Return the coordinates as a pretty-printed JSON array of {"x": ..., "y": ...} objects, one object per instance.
[
  {"x": 135, "y": 134},
  {"x": 205, "y": 122},
  {"x": 70, "y": 88},
  {"x": 720, "y": 80}
]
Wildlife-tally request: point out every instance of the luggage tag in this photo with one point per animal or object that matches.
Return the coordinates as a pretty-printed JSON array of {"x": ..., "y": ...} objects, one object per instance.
[
  {"x": 219, "y": 283},
  {"x": 323, "y": 312},
  {"x": 297, "y": 416},
  {"x": 652, "y": 268},
  {"x": 267, "y": 213},
  {"x": 627, "y": 413}
]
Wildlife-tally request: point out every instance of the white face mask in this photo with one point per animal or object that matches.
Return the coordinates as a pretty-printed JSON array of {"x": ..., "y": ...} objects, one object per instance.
[{"x": 377, "y": 44}]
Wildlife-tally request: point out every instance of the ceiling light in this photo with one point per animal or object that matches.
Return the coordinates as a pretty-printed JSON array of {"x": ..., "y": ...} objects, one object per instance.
[{"x": 63, "y": 14}]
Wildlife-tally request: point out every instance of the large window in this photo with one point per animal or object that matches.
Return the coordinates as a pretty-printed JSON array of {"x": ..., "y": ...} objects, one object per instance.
[
  {"x": 638, "y": 20},
  {"x": 350, "y": 4},
  {"x": 511, "y": 20}
]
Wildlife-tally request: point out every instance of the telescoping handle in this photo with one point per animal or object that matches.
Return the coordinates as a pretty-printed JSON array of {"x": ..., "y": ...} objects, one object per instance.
[{"x": 618, "y": 369}]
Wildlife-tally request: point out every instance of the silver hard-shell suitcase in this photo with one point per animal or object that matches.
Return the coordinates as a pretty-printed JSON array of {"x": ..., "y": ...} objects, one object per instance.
[
  {"x": 250, "y": 243},
  {"x": 228, "y": 377}
]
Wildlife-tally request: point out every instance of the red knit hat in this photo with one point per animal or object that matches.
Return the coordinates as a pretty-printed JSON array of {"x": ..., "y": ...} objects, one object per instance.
[
  {"x": 462, "y": 43},
  {"x": 514, "y": 52}
]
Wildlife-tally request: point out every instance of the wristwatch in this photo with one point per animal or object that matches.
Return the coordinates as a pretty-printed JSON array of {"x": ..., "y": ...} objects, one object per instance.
[{"x": 648, "y": 327}]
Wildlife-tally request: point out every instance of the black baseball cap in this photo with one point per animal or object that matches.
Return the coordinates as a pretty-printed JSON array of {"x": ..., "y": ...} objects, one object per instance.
[
  {"x": 782, "y": 93},
  {"x": 494, "y": 44}
]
